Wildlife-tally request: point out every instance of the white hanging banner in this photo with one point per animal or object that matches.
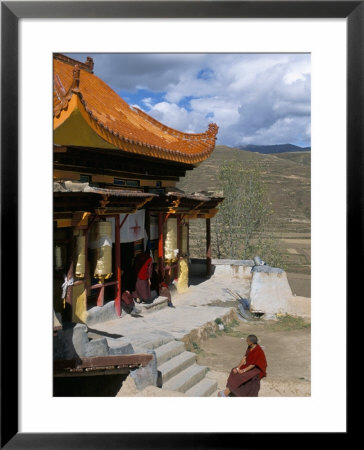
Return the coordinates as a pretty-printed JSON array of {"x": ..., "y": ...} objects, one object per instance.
[{"x": 133, "y": 228}]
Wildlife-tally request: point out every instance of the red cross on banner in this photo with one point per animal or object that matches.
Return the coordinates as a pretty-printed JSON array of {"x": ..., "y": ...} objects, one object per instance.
[
  {"x": 136, "y": 228},
  {"x": 133, "y": 228}
]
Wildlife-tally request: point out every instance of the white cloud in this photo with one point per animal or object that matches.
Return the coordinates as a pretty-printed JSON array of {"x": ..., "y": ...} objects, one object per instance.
[
  {"x": 148, "y": 102},
  {"x": 254, "y": 98}
]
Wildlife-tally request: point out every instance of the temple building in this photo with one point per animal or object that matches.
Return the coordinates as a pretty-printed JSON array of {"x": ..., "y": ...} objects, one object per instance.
[{"x": 115, "y": 174}]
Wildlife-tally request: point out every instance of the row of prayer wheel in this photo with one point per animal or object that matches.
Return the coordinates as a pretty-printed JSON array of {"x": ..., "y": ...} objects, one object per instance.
[{"x": 100, "y": 244}]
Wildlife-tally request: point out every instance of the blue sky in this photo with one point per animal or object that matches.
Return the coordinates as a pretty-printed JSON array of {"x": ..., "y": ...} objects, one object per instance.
[{"x": 253, "y": 98}]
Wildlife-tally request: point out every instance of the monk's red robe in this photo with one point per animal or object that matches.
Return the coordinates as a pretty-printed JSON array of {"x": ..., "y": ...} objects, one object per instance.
[
  {"x": 145, "y": 271},
  {"x": 248, "y": 384},
  {"x": 143, "y": 268},
  {"x": 256, "y": 357}
]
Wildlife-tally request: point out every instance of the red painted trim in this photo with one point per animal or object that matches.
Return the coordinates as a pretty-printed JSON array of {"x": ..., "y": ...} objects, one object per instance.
[
  {"x": 122, "y": 223},
  {"x": 100, "y": 298},
  {"x": 99, "y": 285},
  {"x": 160, "y": 243}
]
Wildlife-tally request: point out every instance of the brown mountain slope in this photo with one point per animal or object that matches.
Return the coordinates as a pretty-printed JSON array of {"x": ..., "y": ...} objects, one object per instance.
[{"x": 288, "y": 179}]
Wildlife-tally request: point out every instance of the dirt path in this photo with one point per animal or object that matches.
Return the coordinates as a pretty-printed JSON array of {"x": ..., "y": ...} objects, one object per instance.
[{"x": 286, "y": 344}]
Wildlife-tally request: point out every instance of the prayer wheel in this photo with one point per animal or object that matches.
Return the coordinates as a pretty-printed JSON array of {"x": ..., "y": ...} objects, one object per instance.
[
  {"x": 101, "y": 243},
  {"x": 80, "y": 256},
  {"x": 170, "y": 244},
  {"x": 58, "y": 257}
]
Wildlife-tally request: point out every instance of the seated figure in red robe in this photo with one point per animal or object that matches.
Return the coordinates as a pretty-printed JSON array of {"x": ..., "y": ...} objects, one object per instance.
[
  {"x": 244, "y": 380},
  {"x": 143, "y": 269}
]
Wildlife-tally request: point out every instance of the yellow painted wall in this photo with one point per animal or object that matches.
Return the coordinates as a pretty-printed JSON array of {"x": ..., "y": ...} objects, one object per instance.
[
  {"x": 75, "y": 131},
  {"x": 79, "y": 311}
]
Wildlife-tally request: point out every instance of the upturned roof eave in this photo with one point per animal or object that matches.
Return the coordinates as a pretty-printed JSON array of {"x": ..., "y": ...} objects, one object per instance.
[{"x": 206, "y": 140}]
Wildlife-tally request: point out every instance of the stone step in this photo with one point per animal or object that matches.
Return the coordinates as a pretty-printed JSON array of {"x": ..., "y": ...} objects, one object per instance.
[
  {"x": 168, "y": 351},
  {"x": 149, "y": 341},
  {"x": 214, "y": 394},
  {"x": 119, "y": 346},
  {"x": 147, "y": 308},
  {"x": 202, "y": 389},
  {"x": 186, "y": 379},
  {"x": 175, "y": 365}
]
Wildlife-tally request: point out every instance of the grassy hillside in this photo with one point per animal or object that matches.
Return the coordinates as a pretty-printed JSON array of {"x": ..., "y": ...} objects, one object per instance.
[
  {"x": 298, "y": 157},
  {"x": 287, "y": 177}
]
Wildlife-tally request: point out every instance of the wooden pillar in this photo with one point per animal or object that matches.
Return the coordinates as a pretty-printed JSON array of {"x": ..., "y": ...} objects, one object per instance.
[
  {"x": 117, "y": 266},
  {"x": 160, "y": 243},
  {"x": 67, "y": 314},
  {"x": 100, "y": 297},
  {"x": 208, "y": 247}
]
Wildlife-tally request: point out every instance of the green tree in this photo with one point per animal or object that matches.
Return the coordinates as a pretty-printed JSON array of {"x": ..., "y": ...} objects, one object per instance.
[{"x": 241, "y": 228}]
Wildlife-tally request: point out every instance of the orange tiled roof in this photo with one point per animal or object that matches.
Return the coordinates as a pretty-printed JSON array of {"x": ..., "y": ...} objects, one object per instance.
[{"x": 126, "y": 127}]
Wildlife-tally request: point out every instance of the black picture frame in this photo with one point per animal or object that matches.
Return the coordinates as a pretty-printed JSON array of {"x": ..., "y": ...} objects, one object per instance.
[{"x": 11, "y": 12}]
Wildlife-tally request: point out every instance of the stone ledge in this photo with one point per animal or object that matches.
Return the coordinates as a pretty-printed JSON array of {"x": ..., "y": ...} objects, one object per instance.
[
  {"x": 233, "y": 262},
  {"x": 147, "y": 308},
  {"x": 267, "y": 269},
  {"x": 99, "y": 314}
]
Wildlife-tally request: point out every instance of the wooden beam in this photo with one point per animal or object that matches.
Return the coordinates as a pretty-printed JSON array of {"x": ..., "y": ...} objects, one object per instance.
[
  {"x": 77, "y": 169},
  {"x": 100, "y": 285},
  {"x": 93, "y": 372},
  {"x": 108, "y": 165},
  {"x": 99, "y": 365},
  {"x": 59, "y": 149}
]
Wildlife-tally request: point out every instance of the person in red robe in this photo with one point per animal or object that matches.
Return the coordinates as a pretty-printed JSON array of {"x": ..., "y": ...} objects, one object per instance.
[
  {"x": 244, "y": 380},
  {"x": 128, "y": 304},
  {"x": 159, "y": 285},
  {"x": 143, "y": 269}
]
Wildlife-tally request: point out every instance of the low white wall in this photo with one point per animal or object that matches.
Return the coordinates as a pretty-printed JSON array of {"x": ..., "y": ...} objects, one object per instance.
[
  {"x": 270, "y": 291},
  {"x": 231, "y": 268}
]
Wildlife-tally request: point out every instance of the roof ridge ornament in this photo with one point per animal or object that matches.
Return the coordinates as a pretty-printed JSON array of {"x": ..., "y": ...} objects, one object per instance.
[
  {"x": 65, "y": 96},
  {"x": 212, "y": 129},
  {"x": 88, "y": 66}
]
